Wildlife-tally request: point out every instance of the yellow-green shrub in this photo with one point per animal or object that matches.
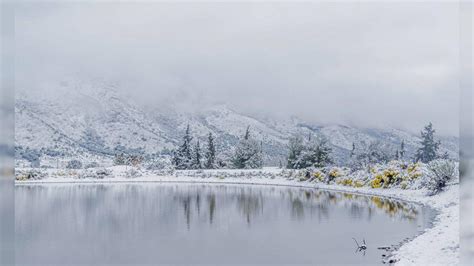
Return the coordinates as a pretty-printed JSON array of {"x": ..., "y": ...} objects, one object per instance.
[
  {"x": 347, "y": 182},
  {"x": 377, "y": 182},
  {"x": 373, "y": 170},
  {"x": 358, "y": 183},
  {"x": 334, "y": 173},
  {"x": 412, "y": 167},
  {"x": 389, "y": 177},
  {"x": 319, "y": 175},
  {"x": 403, "y": 165},
  {"x": 415, "y": 174},
  {"x": 384, "y": 179},
  {"x": 344, "y": 182}
]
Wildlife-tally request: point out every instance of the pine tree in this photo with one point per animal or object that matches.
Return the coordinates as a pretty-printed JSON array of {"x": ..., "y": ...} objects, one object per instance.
[
  {"x": 295, "y": 146},
  {"x": 314, "y": 152},
  {"x": 177, "y": 159},
  {"x": 309, "y": 154},
  {"x": 353, "y": 150},
  {"x": 397, "y": 155},
  {"x": 429, "y": 147},
  {"x": 402, "y": 150},
  {"x": 247, "y": 133},
  {"x": 197, "y": 156},
  {"x": 371, "y": 153},
  {"x": 182, "y": 158},
  {"x": 324, "y": 153},
  {"x": 248, "y": 153},
  {"x": 187, "y": 141},
  {"x": 210, "y": 153},
  {"x": 119, "y": 159}
]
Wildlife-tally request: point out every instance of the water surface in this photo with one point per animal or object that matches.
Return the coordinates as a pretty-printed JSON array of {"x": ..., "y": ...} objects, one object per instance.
[{"x": 205, "y": 224}]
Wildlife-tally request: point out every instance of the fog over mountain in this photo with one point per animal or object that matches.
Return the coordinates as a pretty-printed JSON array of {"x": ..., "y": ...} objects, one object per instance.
[
  {"x": 363, "y": 65},
  {"x": 93, "y": 120}
]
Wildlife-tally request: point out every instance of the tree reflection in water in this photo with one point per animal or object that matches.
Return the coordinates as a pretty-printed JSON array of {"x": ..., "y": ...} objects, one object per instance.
[
  {"x": 249, "y": 203},
  {"x": 165, "y": 200},
  {"x": 211, "y": 199},
  {"x": 201, "y": 223}
]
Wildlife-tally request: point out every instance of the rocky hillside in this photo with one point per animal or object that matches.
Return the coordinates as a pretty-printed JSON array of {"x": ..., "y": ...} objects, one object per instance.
[{"x": 93, "y": 119}]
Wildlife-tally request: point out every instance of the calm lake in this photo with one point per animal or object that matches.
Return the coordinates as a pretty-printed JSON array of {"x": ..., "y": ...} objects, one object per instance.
[{"x": 205, "y": 224}]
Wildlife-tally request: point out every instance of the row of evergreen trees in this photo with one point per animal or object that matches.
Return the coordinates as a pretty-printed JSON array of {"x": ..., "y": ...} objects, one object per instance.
[
  {"x": 247, "y": 154},
  {"x": 303, "y": 152},
  {"x": 316, "y": 152},
  {"x": 190, "y": 157},
  {"x": 377, "y": 152}
]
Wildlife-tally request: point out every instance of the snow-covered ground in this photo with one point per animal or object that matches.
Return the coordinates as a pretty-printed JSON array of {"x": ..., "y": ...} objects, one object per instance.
[{"x": 438, "y": 245}]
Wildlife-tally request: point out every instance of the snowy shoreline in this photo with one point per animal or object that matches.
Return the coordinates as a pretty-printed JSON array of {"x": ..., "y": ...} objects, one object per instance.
[{"x": 437, "y": 245}]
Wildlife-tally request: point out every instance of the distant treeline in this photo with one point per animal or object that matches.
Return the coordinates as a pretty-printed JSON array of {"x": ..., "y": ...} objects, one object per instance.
[
  {"x": 315, "y": 152},
  {"x": 303, "y": 152}
]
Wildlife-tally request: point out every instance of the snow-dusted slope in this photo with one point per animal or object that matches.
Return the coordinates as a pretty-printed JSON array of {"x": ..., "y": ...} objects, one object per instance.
[
  {"x": 78, "y": 119},
  {"x": 93, "y": 118}
]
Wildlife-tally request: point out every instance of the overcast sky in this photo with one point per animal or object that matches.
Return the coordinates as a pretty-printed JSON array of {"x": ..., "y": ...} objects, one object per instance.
[{"x": 367, "y": 64}]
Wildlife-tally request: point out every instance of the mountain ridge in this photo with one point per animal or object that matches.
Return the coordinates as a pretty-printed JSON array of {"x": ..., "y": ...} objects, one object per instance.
[{"x": 95, "y": 120}]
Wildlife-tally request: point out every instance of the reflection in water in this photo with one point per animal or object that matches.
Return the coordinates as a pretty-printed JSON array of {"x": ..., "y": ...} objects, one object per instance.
[
  {"x": 212, "y": 207},
  {"x": 249, "y": 204},
  {"x": 180, "y": 223},
  {"x": 297, "y": 210}
]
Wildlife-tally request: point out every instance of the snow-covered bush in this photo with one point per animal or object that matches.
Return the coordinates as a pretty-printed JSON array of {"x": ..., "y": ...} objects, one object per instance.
[
  {"x": 248, "y": 153},
  {"x": 169, "y": 171},
  {"x": 370, "y": 153},
  {"x": 92, "y": 165},
  {"x": 74, "y": 164},
  {"x": 32, "y": 174},
  {"x": 389, "y": 177},
  {"x": 160, "y": 163},
  {"x": 132, "y": 173},
  {"x": 288, "y": 173},
  {"x": 358, "y": 183},
  {"x": 319, "y": 175},
  {"x": 393, "y": 174},
  {"x": 119, "y": 159},
  {"x": 86, "y": 174},
  {"x": 102, "y": 173},
  {"x": 442, "y": 171},
  {"x": 414, "y": 170},
  {"x": 360, "y": 178},
  {"x": 415, "y": 176},
  {"x": 334, "y": 173},
  {"x": 306, "y": 153},
  {"x": 304, "y": 175},
  {"x": 345, "y": 182},
  {"x": 224, "y": 160}
]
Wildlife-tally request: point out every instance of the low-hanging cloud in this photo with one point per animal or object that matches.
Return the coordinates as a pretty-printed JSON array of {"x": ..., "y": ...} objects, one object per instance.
[{"x": 365, "y": 64}]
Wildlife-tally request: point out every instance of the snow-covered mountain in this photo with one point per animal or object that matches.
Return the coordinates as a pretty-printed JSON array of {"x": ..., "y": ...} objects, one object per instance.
[{"x": 93, "y": 119}]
